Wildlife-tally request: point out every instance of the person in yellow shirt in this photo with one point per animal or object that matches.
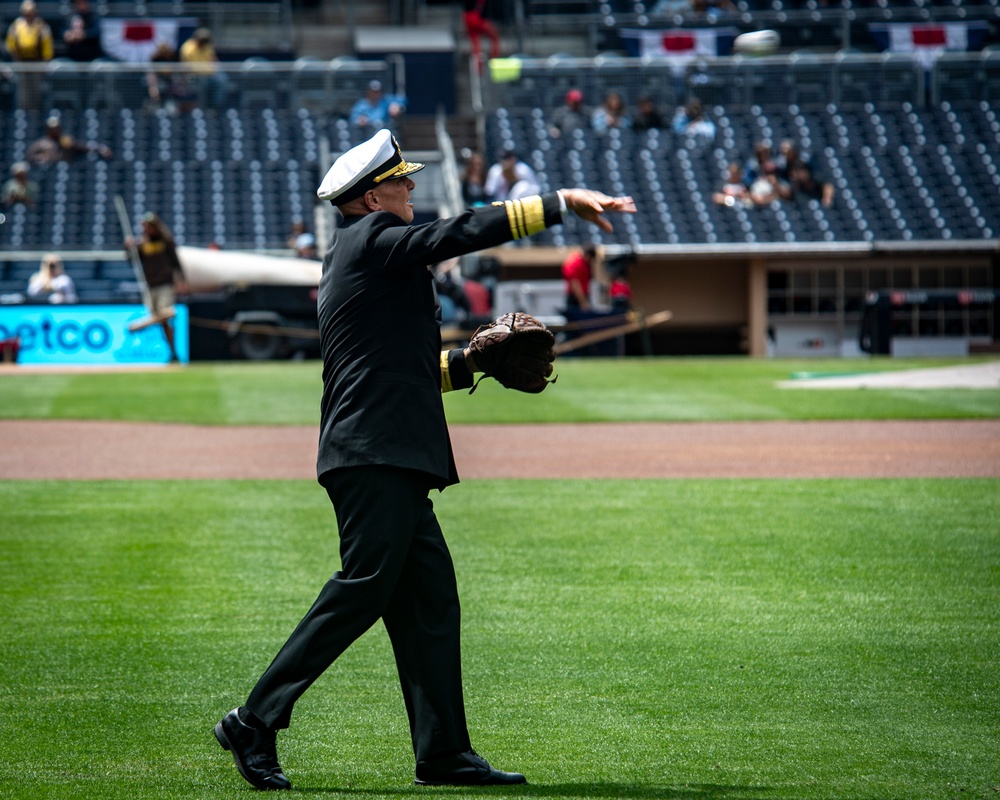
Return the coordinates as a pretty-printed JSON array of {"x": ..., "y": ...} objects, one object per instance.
[
  {"x": 29, "y": 39},
  {"x": 199, "y": 52}
]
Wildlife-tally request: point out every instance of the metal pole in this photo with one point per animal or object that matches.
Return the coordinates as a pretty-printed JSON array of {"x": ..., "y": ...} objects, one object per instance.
[
  {"x": 133, "y": 251},
  {"x": 519, "y": 23}
]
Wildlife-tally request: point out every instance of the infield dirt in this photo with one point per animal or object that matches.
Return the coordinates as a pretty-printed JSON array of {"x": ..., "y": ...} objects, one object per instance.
[{"x": 85, "y": 450}]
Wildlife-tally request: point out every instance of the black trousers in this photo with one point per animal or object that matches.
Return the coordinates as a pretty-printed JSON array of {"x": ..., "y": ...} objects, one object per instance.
[{"x": 395, "y": 565}]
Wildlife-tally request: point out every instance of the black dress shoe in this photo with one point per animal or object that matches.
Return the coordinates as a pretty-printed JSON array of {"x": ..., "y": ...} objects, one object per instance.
[
  {"x": 463, "y": 769},
  {"x": 253, "y": 750}
]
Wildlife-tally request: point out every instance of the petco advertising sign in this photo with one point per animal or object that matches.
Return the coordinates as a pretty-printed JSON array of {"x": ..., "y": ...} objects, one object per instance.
[{"x": 90, "y": 334}]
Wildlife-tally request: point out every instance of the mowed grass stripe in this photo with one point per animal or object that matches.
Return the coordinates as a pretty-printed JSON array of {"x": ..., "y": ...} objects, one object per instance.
[
  {"x": 588, "y": 390},
  {"x": 677, "y": 639}
]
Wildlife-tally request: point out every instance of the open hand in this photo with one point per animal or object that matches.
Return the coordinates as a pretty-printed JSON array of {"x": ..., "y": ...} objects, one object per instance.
[{"x": 590, "y": 205}]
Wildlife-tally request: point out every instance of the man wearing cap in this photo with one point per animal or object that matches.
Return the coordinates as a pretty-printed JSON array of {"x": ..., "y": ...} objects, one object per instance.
[
  {"x": 57, "y": 145},
  {"x": 383, "y": 446},
  {"x": 29, "y": 39},
  {"x": 199, "y": 52},
  {"x": 20, "y": 188},
  {"x": 377, "y": 110},
  {"x": 570, "y": 116},
  {"x": 161, "y": 270},
  {"x": 305, "y": 246}
]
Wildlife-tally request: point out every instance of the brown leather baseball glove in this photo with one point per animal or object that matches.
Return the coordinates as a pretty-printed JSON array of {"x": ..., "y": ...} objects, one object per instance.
[{"x": 516, "y": 350}]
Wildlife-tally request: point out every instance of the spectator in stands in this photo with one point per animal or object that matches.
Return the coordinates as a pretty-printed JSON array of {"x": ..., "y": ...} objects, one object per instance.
[
  {"x": 377, "y": 110},
  {"x": 479, "y": 294},
  {"x": 734, "y": 191},
  {"x": 572, "y": 115},
  {"x": 691, "y": 121},
  {"x": 455, "y": 305},
  {"x": 56, "y": 145},
  {"x": 619, "y": 288},
  {"x": 51, "y": 282},
  {"x": 29, "y": 39},
  {"x": 510, "y": 179},
  {"x": 577, "y": 272},
  {"x": 797, "y": 172},
  {"x": 305, "y": 246},
  {"x": 760, "y": 162},
  {"x": 298, "y": 228},
  {"x": 611, "y": 114},
  {"x": 20, "y": 188},
  {"x": 768, "y": 187},
  {"x": 474, "y": 180},
  {"x": 199, "y": 51},
  {"x": 671, "y": 7},
  {"x": 167, "y": 87},
  {"x": 712, "y": 9},
  {"x": 646, "y": 116},
  {"x": 709, "y": 9},
  {"x": 83, "y": 34},
  {"x": 477, "y": 26},
  {"x": 787, "y": 153},
  {"x": 802, "y": 183},
  {"x": 162, "y": 271},
  {"x": 754, "y": 165}
]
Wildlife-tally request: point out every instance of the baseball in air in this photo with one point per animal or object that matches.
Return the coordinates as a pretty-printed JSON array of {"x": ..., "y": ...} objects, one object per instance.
[{"x": 757, "y": 43}]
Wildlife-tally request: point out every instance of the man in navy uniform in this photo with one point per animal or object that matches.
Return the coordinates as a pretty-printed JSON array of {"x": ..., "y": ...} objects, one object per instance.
[{"x": 383, "y": 446}]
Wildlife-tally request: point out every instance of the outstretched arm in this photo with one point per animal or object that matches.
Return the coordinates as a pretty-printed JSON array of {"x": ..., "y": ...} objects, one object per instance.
[{"x": 590, "y": 205}]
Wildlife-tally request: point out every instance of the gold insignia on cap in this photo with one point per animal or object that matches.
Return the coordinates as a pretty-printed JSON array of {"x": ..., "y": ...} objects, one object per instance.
[{"x": 398, "y": 171}]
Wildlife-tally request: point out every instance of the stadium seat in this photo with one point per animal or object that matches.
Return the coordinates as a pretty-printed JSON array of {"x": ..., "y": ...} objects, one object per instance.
[
  {"x": 991, "y": 70},
  {"x": 261, "y": 85},
  {"x": 309, "y": 83},
  {"x": 810, "y": 81},
  {"x": 65, "y": 86},
  {"x": 902, "y": 78},
  {"x": 854, "y": 82},
  {"x": 958, "y": 80},
  {"x": 239, "y": 175}
]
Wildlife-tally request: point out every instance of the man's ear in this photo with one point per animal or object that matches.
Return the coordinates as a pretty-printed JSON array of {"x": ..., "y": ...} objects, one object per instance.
[{"x": 371, "y": 200}]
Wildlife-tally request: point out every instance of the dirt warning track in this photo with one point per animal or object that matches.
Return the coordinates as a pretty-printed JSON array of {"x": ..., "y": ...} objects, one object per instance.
[{"x": 89, "y": 450}]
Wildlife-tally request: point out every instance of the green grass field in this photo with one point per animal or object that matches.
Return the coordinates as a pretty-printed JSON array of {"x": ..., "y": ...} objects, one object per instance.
[
  {"x": 588, "y": 390},
  {"x": 674, "y": 639},
  {"x": 695, "y": 640}
]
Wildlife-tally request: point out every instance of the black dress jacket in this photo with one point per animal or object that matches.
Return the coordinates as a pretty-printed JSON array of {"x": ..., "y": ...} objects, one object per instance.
[{"x": 383, "y": 369}]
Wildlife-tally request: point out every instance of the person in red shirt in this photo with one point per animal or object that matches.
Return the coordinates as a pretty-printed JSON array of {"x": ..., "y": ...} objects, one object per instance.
[
  {"x": 619, "y": 289},
  {"x": 577, "y": 270},
  {"x": 477, "y": 26}
]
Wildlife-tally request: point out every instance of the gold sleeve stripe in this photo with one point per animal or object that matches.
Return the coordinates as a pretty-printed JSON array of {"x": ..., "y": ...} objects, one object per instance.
[
  {"x": 522, "y": 229},
  {"x": 525, "y": 217},
  {"x": 534, "y": 214},
  {"x": 445, "y": 373},
  {"x": 512, "y": 220}
]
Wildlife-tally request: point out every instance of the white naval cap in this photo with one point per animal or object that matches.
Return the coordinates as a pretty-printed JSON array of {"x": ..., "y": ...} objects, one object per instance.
[{"x": 364, "y": 167}]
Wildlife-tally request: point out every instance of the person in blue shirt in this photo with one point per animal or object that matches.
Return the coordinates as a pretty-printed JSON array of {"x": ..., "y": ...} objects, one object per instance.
[
  {"x": 692, "y": 122},
  {"x": 377, "y": 110}
]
